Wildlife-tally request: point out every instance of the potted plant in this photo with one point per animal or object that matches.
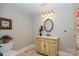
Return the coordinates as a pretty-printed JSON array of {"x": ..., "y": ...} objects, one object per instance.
[{"x": 5, "y": 38}]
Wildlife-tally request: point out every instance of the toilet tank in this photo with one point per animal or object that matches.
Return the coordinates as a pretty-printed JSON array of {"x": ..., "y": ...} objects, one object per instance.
[{"x": 6, "y": 47}]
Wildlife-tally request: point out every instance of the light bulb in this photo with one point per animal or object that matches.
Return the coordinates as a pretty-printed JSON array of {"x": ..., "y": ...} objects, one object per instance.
[
  {"x": 42, "y": 15},
  {"x": 45, "y": 14},
  {"x": 51, "y": 13},
  {"x": 48, "y": 14}
]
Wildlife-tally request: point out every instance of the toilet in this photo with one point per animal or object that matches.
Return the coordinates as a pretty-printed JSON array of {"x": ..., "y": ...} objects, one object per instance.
[{"x": 6, "y": 49}]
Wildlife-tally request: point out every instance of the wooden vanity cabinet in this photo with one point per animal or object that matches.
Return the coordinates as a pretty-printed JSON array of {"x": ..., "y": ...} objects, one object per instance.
[{"x": 47, "y": 45}]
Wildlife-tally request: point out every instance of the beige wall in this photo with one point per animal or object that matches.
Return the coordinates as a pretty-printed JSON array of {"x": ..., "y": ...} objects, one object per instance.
[{"x": 21, "y": 26}]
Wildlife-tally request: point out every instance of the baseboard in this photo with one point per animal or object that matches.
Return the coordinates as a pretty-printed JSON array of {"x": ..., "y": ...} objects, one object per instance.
[{"x": 26, "y": 48}]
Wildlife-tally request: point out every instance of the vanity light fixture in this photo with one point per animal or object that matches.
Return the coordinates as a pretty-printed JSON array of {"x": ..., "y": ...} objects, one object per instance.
[{"x": 46, "y": 12}]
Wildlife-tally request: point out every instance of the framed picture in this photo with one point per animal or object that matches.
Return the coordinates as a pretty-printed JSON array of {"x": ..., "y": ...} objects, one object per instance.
[{"x": 5, "y": 23}]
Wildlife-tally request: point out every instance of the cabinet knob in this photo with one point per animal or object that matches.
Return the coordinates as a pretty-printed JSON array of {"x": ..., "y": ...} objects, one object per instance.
[
  {"x": 44, "y": 45},
  {"x": 74, "y": 35}
]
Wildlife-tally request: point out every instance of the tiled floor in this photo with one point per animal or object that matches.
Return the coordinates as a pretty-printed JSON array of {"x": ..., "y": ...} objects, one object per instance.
[{"x": 32, "y": 52}]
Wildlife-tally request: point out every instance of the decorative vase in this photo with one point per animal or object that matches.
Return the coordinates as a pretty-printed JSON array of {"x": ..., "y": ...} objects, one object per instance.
[{"x": 40, "y": 30}]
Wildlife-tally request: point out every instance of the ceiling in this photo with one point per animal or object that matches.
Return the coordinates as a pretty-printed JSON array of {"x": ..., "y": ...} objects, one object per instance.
[{"x": 32, "y": 8}]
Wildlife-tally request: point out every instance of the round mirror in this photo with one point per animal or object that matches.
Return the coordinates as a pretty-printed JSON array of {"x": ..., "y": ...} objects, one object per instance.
[{"x": 48, "y": 25}]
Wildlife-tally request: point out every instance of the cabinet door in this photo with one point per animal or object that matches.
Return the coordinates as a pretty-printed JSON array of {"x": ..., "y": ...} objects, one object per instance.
[
  {"x": 42, "y": 47},
  {"x": 46, "y": 46},
  {"x": 54, "y": 48},
  {"x": 50, "y": 48},
  {"x": 38, "y": 46}
]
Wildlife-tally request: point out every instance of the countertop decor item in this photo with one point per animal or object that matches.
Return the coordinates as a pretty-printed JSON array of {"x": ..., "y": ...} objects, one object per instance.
[{"x": 40, "y": 30}]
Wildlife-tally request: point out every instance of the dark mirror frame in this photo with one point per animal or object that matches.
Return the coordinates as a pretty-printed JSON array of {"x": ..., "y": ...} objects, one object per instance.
[{"x": 51, "y": 26}]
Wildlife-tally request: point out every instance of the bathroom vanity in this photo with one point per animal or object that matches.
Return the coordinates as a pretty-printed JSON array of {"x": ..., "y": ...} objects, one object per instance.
[{"x": 47, "y": 45}]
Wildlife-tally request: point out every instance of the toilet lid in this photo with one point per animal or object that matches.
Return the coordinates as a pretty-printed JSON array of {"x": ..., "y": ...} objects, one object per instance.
[{"x": 10, "y": 53}]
